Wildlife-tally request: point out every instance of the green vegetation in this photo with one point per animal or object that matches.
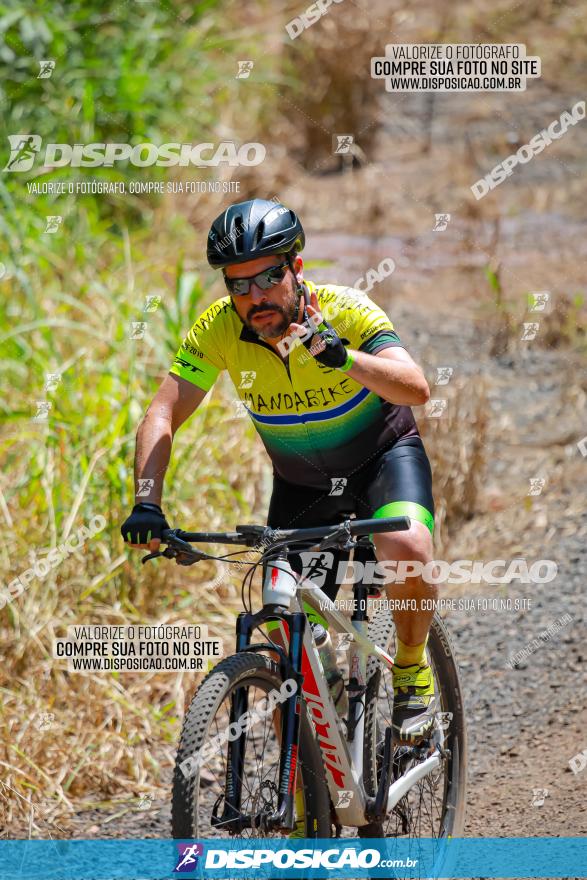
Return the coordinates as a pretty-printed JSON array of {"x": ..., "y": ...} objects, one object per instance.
[{"x": 133, "y": 73}]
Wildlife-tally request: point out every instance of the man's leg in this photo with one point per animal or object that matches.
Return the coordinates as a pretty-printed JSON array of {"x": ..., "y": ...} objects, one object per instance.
[
  {"x": 401, "y": 485},
  {"x": 414, "y": 545},
  {"x": 414, "y": 702}
]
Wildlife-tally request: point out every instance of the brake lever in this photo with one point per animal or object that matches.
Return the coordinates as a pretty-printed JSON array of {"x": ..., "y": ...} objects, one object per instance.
[
  {"x": 183, "y": 555},
  {"x": 344, "y": 529},
  {"x": 157, "y": 553}
]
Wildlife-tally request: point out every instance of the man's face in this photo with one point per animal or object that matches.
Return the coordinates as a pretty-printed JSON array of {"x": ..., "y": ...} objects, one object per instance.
[{"x": 268, "y": 313}]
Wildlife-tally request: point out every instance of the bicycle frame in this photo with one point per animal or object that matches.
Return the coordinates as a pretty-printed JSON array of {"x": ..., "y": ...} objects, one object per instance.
[
  {"x": 342, "y": 755},
  {"x": 349, "y": 753}
]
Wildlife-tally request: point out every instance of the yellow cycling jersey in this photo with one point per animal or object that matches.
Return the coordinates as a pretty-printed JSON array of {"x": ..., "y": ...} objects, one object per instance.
[{"x": 316, "y": 422}]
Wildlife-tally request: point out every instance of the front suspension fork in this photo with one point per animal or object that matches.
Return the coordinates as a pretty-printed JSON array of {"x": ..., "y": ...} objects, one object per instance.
[{"x": 290, "y": 668}]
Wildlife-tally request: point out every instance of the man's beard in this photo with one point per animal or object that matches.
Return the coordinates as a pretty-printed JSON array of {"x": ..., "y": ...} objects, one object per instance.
[{"x": 278, "y": 326}]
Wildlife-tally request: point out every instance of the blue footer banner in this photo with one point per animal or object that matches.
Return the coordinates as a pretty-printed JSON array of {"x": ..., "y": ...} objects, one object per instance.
[{"x": 519, "y": 857}]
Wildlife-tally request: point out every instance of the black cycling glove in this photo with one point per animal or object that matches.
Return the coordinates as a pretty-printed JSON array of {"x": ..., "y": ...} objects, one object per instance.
[
  {"x": 146, "y": 521},
  {"x": 327, "y": 346}
]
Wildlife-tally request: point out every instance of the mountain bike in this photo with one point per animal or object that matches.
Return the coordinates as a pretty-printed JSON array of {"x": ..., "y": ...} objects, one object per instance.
[{"x": 263, "y": 749}]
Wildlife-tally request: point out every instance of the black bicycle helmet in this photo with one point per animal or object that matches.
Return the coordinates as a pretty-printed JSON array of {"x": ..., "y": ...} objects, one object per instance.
[{"x": 252, "y": 229}]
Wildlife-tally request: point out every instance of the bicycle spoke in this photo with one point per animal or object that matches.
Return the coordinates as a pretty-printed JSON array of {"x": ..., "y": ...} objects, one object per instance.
[{"x": 260, "y": 774}]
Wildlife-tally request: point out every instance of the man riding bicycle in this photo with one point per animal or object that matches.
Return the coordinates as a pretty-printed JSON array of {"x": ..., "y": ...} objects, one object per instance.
[{"x": 331, "y": 401}]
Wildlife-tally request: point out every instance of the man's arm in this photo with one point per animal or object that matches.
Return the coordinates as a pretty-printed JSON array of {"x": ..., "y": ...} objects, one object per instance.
[
  {"x": 173, "y": 403},
  {"x": 392, "y": 375}
]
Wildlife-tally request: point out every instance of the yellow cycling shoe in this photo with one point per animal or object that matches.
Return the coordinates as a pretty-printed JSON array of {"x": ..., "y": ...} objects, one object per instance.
[{"x": 414, "y": 703}]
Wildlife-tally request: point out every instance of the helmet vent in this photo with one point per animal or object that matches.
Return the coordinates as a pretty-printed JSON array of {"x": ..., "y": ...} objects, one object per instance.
[
  {"x": 259, "y": 233},
  {"x": 237, "y": 232}
]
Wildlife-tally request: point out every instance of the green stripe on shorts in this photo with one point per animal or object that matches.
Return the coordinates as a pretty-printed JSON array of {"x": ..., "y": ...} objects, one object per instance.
[{"x": 406, "y": 508}]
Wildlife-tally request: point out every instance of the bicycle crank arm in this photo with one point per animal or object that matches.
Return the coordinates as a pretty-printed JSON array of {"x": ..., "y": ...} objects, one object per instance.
[{"x": 399, "y": 788}]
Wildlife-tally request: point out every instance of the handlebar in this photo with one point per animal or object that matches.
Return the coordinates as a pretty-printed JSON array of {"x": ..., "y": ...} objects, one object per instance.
[
  {"x": 251, "y": 535},
  {"x": 274, "y": 540}
]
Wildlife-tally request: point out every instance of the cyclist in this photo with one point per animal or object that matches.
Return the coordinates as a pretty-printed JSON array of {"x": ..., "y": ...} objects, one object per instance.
[{"x": 333, "y": 411}]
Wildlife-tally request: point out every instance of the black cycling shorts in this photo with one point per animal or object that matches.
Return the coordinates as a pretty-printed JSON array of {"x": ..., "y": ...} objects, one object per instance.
[{"x": 396, "y": 483}]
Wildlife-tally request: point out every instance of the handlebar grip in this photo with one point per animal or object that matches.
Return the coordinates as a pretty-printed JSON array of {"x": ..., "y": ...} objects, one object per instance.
[
  {"x": 381, "y": 524},
  {"x": 207, "y": 537}
]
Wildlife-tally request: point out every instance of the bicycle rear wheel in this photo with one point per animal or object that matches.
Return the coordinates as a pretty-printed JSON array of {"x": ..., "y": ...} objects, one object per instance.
[
  {"x": 199, "y": 796},
  {"x": 435, "y": 806}
]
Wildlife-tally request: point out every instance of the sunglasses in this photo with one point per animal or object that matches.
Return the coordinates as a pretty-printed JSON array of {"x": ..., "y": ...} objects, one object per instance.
[{"x": 266, "y": 279}]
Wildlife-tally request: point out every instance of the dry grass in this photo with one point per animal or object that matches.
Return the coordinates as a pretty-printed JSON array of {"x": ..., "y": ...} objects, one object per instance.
[
  {"x": 456, "y": 445},
  {"x": 111, "y": 733}
]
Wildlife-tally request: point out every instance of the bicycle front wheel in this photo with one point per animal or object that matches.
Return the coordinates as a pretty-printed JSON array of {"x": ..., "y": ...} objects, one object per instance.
[{"x": 199, "y": 784}]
